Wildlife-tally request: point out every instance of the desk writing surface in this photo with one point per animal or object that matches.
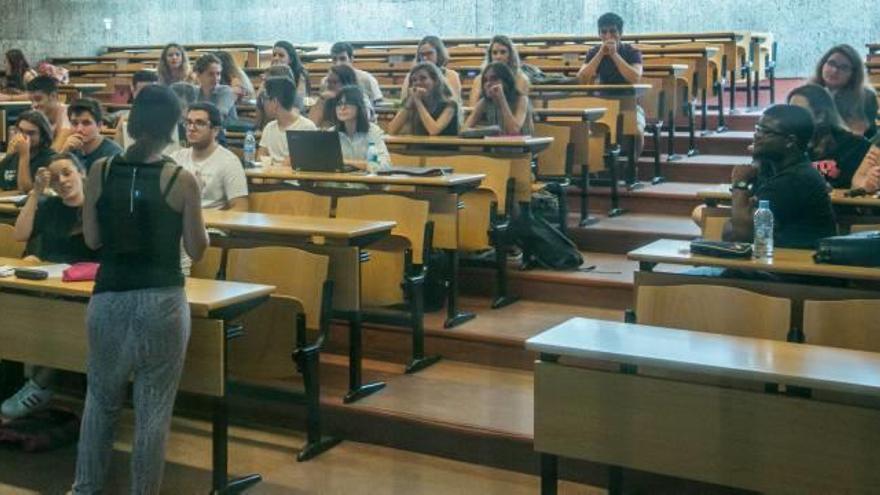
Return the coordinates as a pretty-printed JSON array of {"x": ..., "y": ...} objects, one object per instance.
[
  {"x": 790, "y": 261},
  {"x": 607, "y": 89},
  {"x": 203, "y": 295},
  {"x": 340, "y": 228},
  {"x": 494, "y": 141},
  {"x": 448, "y": 180},
  {"x": 829, "y": 368},
  {"x": 585, "y": 114},
  {"x": 721, "y": 192}
]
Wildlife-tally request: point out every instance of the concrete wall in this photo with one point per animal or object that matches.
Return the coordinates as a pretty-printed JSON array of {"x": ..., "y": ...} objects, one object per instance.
[{"x": 804, "y": 28}]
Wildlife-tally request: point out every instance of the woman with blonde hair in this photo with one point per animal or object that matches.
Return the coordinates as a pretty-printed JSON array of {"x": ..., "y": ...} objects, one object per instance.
[{"x": 430, "y": 109}]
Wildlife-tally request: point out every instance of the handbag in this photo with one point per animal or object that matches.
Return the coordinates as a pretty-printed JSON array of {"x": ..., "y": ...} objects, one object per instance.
[{"x": 859, "y": 249}]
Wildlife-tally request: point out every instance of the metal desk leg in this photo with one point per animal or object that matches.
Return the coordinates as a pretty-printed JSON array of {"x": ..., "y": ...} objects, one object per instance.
[
  {"x": 549, "y": 474},
  {"x": 454, "y": 317},
  {"x": 356, "y": 389}
]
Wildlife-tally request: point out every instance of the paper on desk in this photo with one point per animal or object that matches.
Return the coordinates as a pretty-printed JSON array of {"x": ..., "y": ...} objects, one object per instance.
[{"x": 54, "y": 271}]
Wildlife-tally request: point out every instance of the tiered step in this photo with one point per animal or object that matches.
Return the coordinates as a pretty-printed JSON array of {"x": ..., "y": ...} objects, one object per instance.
[
  {"x": 668, "y": 198},
  {"x": 703, "y": 168}
]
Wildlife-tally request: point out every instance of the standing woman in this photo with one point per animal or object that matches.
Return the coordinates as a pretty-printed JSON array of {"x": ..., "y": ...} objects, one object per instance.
[
  {"x": 431, "y": 49},
  {"x": 283, "y": 53},
  {"x": 842, "y": 72},
  {"x": 501, "y": 103},
  {"x": 18, "y": 74},
  {"x": 138, "y": 207},
  {"x": 174, "y": 65},
  {"x": 237, "y": 79},
  {"x": 430, "y": 108},
  {"x": 501, "y": 49}
]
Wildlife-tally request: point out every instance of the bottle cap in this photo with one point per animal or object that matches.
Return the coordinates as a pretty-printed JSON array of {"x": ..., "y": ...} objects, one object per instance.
[{"x": 764, "y": 203}]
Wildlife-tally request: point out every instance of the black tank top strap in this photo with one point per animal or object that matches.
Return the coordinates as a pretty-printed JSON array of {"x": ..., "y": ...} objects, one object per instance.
[{"x": 171, "y": 181}]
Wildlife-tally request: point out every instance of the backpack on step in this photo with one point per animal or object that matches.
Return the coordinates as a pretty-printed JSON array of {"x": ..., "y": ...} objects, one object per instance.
[{"x": 544, "y": 245}]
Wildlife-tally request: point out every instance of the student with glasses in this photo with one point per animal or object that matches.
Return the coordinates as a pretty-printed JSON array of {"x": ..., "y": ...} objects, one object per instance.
[
  {"x": 432, "y": 49},
  {"x": 356, "y": 132},
  {"x": 842, "y": 72},
  {"x": 27, "y": 151},
  {"x": 781, "y": 173}
]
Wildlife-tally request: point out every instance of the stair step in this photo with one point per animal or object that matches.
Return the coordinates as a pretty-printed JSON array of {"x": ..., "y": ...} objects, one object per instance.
[
  {"x": 714, "y": 143},
  {"x": 626, "y": 232},
  {"x": 672, "y": 198},
  {"x": 701, "y": 168}
]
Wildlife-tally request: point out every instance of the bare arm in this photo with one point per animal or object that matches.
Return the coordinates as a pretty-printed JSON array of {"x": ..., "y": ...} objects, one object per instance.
[
  {"x": 25, "y": 184},
  {"x": 398, "y": 122},
  {"x": 195, "y": 237},
  {"x": 476, "y": 86},
  {"x": 631, "y": 72},
  {"x": 740, "y": 228},
  {"x": 476, "y": 114},
  {"x": 434, "y": 127},
  {"x": 454, "y": 82},
  {"x": 587, "y": 73},
  {"x": 867, "y": 176}
]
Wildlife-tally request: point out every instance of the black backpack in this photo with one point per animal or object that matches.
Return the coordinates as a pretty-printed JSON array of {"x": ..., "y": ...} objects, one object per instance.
[{"x": 544, "y": 245}]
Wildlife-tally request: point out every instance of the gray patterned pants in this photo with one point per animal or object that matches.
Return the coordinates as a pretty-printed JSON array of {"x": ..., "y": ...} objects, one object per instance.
[{"x": 139, "y": 335}]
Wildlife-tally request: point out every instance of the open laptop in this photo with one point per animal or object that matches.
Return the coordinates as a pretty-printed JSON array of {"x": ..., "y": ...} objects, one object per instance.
[{"x": 316, "y": 151}]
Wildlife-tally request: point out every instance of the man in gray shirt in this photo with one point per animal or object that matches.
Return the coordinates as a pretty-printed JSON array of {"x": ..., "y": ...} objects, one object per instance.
[{"x": 208, "y": 69}]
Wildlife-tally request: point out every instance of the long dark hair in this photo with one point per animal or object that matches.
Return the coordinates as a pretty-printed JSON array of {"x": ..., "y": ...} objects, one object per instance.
[
  {"x": 826, "y": 119},
  {"x": 42, "y": 124},
  {"x": 18, "y": 65},
  {"x": 850, "y": 99},
  {"x": 438, "y": 99},
  {"x": 296, "y": 65},
  {"x": 508, "y": 82},
  {"x": 512, "y": 60},
  {"x": 154, "y": 116},
  {"x": 166, "y": 76},
  {"x": 352, "y": 95}
]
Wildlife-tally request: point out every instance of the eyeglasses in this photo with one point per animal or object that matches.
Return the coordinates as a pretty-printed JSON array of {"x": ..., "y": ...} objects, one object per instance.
[
  {"x": 838, "y": 66},
  {"x": 196, "y": 124},
  {"x": 761, "y": 130},
  {"x": 611, "y": 30},
  {"x": 343, "y": 103}
]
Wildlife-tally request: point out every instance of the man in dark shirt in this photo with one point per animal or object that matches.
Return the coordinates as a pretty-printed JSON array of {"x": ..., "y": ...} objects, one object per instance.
[
  {"x": 28, "y": 150},
  {"x": 783, "y": 175},
  {"x": 612, "y": 62},
  {"x": 86, "y": 141}
]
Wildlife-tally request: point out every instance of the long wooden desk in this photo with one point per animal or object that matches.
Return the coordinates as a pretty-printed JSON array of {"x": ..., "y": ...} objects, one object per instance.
[
  {"x": 341, "y": 239},
  {"x": 687, "y": 428},
  {"x": 442, "y": 194},
  {"x": 44, "y": 323}
]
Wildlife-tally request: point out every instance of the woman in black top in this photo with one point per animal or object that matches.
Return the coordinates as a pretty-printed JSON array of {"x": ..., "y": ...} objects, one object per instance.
[
  {"x": 52, "y": 227},
  {"x": 842, "y": 72},
  {"x": 431, "y": 109},
  {"x": 138, "y": 207},
  {"x": 835, "y": 151}
]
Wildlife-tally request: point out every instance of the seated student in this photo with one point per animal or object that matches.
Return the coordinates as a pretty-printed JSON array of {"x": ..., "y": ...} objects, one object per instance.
[
  {"x": 841, "y": 71},
  {"x": 835, "y": 151},
  {"x": 431, "y": 49},
  {"x": 52, "y": 227},
  {"x": 28, "y": 150},
  {"x": 139, "y": 80},
  {"x": 283, "y": 53},
  {"x": 339, "y": 76},
  {"x": 235, "y": 78},
  {"x": 501, "y": 103},
  {"x": 343, "y": 54},
  {"x": 278, "y": 103},
  {"x": 43, "y": 93},
  {"x": 18, "y": 74},
  {"x": 174, "y": 65},
  {"x": 501, "y": 50},
  {"x": 208, "y": 70},
  {"x": 431, "y": 109},
  {"x": 86, "y": 141},
  {"x": 356, "y": 132},
  {"x": 218, "y": 171},
  {"x": 783, "y": 175},
  {"x": 186, "y": 94},
  {"x": 867, "y": 177}
]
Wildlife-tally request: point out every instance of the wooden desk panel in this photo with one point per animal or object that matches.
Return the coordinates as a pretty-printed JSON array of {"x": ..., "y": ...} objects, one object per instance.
[{"x": 289, "y": 225}]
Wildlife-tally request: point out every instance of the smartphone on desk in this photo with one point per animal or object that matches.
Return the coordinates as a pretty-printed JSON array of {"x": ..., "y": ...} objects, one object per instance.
[{"x": 31, "y": 273}]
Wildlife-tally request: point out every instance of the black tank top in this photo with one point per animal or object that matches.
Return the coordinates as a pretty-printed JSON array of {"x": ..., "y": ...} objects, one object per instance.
[{"x": 140, "y": 233}]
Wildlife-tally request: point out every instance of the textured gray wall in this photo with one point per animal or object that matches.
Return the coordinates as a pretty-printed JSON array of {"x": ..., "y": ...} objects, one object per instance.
[{"x": 804, "y": 28}]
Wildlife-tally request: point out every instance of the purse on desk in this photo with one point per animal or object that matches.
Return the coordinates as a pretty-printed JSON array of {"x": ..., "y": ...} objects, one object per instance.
[
  {"x": 722, "y": 249},
  {"x": 859, "y": 249}
]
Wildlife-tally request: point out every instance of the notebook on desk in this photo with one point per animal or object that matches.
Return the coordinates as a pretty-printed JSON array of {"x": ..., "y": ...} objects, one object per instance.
[{"x": 316, "y": 151}]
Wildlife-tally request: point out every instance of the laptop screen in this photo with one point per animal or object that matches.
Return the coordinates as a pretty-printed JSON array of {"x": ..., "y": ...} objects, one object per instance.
[{"x": 315, "y": 151}]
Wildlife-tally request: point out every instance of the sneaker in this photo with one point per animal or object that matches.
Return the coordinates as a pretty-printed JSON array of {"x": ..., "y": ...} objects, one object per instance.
[{"x": 29, "y": 399}]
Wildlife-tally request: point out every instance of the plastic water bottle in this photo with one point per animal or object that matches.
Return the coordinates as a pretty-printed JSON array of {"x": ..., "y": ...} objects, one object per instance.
[
  {"x": 763, "y": 246},
  {"x": 372, "y": 158},
  {"x": 250, "y": 147}
]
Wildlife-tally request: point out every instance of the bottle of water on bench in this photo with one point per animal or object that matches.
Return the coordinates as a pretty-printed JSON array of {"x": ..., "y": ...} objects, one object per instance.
[{"x": 763, "y": 245}]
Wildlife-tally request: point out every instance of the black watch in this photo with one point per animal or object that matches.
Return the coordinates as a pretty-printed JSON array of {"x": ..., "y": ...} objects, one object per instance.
[{"x": 741, "y": 185}]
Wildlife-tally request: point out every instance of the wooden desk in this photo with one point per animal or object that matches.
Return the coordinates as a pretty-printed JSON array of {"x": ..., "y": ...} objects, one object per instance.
[
  {"x": 713, "y": 195},
  {"x": 442, "y": 193},
  {"x": 626, "y": 94},
  {"x": 685, "y": 428},
  {"x": 521, "y": 150},
  {"x": 340, "y": 239},
  {"x": 51, "y": 331}
]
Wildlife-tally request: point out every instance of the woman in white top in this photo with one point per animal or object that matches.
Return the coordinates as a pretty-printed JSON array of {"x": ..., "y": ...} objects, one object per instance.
[{"x": 356, "y": 132}]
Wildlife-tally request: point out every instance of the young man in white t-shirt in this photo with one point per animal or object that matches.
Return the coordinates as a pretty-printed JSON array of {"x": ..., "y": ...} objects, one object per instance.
[
  {"x": 278, "y": 100},
  {"x": 218, "y": 170}
]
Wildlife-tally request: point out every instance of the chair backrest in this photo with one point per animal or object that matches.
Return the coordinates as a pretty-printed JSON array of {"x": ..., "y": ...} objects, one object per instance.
[
  {"x": 291, "y": 203},
  {"x": 654, "y": 101},
  {"x": 496, "y": 169},
  {"x": 847, "y": 323},
  {"x": 411, "y": 215},
  {"x": 552, "y": 161},
  {"x": 608, "y": 121},
  {"x": 9, "y": 247},
  {"x": 294, "y": 272},
  {"x": 209, "y": 265},
  {"x": 714, "y": 309},
  {"x": 712, "y": 222}
]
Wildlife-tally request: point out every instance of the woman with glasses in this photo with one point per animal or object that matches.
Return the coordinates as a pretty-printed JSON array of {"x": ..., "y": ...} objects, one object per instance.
[
  {"x": 356, "y": 132},
  {"x": 431, "y": 49},
  {"x": 842, "y": 72}
]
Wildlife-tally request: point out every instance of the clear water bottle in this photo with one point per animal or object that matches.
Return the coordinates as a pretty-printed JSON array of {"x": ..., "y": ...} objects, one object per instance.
[
  {"x": 250, "y": 147},
  {"x": 763, "y": 246},
  {"x": 372, "y": 158}
]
